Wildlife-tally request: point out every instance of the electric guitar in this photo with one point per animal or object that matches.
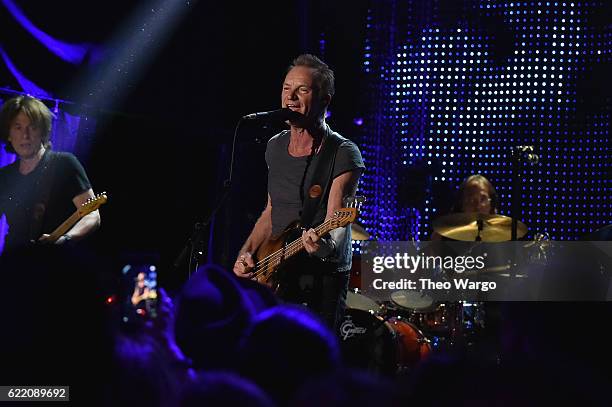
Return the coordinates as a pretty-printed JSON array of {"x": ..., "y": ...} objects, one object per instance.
[
  {"x": 91, "y": 205},
  {"x": 273, "y": 253}
]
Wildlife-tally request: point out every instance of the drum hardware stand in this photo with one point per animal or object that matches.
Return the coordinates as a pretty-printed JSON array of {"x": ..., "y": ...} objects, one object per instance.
[
  {"x": 455, "y": 325},
  {"x": 384, "y": 319},
  {"x": 480, "y": 224},
  {"x": 520, "y": 155}
]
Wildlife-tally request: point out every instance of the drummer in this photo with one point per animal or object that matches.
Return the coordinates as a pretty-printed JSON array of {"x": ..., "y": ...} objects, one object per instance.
[{"x": 476, "y": 194}]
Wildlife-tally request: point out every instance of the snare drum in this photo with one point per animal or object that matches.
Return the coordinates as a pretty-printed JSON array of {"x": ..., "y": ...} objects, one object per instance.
[
  {"x": 382, "y": 345},
  {"x": 415, "y": 301}
]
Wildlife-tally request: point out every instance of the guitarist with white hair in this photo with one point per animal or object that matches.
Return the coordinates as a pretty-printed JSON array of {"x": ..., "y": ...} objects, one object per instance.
[{"x": 310, "y": 170}]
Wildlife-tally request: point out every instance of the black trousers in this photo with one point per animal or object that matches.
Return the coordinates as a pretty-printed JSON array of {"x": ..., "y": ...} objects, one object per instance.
[{"x": 317, "y": 285}]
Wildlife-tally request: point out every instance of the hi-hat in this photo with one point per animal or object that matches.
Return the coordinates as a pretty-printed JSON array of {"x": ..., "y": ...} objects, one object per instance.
[
  {"x": 465, "y": 227},
  {"x": 359, "y": 233}
]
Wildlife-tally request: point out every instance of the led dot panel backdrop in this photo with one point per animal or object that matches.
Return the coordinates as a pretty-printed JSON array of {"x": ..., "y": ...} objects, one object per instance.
[{"x": 455, "y": 85}]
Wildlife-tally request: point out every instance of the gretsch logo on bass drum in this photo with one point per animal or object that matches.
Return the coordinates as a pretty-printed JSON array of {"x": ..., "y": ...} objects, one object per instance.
[{"x": 348, "y": 329}]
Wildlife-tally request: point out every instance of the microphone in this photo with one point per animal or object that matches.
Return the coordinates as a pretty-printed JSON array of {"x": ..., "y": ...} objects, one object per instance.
[{"x": 280, "y": 114}]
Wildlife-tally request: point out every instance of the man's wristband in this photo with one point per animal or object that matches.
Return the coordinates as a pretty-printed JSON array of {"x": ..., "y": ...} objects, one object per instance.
[{"x": 326, "y": 248}]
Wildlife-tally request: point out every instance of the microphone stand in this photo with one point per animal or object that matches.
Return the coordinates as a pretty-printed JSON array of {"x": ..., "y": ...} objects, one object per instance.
[
  {"x": 515, "y": 211},
  {"x": 195, "y": 244}
]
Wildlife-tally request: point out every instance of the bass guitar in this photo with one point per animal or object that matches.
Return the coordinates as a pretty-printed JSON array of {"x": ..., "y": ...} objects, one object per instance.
[{"x": 273, "y": 253}]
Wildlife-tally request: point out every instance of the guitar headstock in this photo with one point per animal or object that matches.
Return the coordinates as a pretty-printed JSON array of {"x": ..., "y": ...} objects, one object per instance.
[
  {"x": 353, "y": 201},
  {"x": 349, "y": 213},
  {"x": 92, "y": 204}
]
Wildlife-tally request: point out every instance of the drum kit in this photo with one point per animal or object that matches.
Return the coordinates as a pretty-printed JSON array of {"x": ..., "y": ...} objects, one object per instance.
[{"x": 392, "y": 337}]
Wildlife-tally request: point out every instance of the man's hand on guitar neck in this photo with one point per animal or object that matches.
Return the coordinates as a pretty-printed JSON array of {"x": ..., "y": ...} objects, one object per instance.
[
  {"x": 46, "y": 239},
  {"x": 244, "y": 263}
]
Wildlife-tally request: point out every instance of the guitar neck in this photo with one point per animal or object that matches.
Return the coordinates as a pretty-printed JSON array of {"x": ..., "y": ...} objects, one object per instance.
[
  {"x": 88, "y": 207},
  {"x": 65, "y": 226},
  {"x": 293, "y": 248}
]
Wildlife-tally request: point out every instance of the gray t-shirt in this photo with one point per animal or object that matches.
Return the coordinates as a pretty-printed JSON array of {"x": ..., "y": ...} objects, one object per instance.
[{"x": 288, "y": 175}]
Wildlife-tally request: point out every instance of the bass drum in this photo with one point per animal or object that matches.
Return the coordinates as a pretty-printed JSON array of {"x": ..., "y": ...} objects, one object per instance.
[{"x": 387, "y": 346}]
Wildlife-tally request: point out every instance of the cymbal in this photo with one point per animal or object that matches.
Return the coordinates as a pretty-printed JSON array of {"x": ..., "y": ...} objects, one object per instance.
[
  {"x": 464, "y": 227},
  {"x": 359, "y": 233},
  {"x": 504, "y": 268}
]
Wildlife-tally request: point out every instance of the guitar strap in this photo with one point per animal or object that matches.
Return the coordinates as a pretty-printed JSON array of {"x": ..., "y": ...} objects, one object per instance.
[
  {"x": 318, "y": 191},
  {"x": 44, "y": 183}
]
